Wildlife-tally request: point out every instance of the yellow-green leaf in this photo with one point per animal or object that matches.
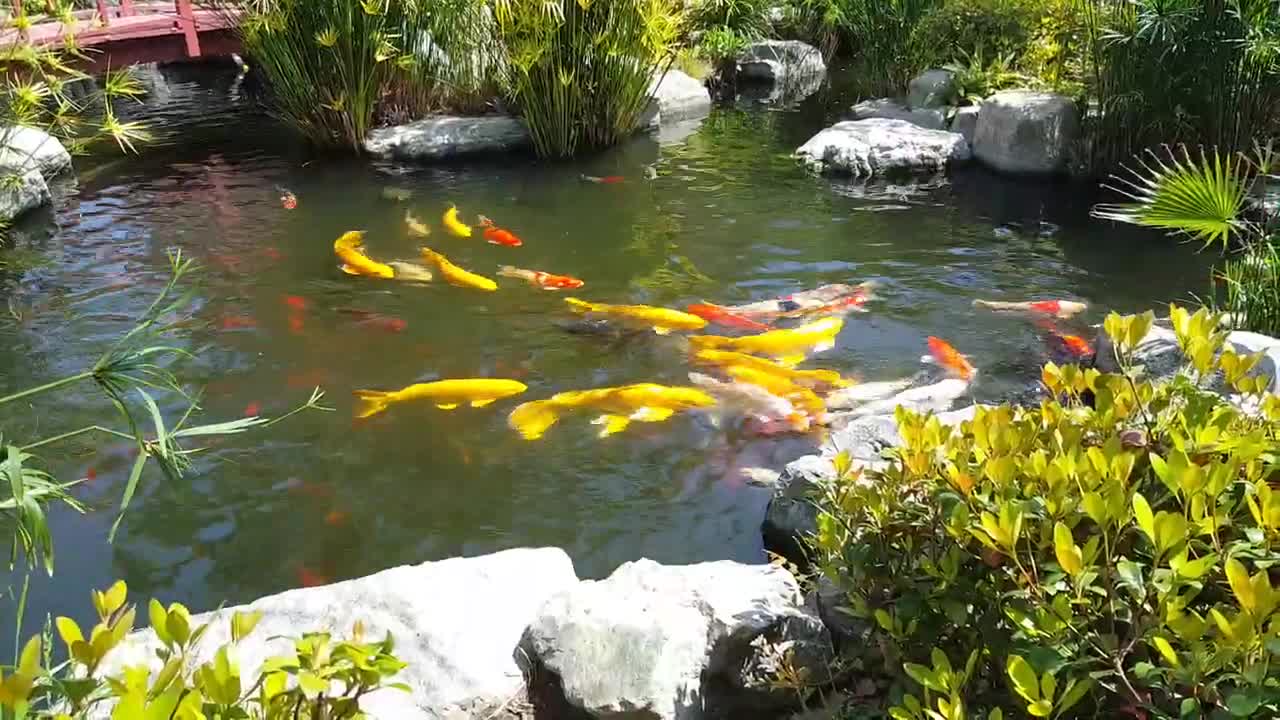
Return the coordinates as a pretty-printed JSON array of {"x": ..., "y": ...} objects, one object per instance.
[
  {"x": 1067, "y": 552},
  {"x": 1166, "y": 650},
  {"x": 1040, "y": 708},
  {"x": 1238, "y": 578},
  {"x": 159, "y": 619},
  {"x": 113, "y": 599},
  {"x": 1023, "y": 677},
  {"x": 69, "y": 631},
  {"x": 29, "y": 660},
  {"x": 243, "y": 623},
  {"x": 1142, "y": 513}
]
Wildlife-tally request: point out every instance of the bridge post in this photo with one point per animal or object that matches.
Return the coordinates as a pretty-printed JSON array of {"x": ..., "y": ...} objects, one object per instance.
[
  {"x": 187, "y": 22},
  {"x": 104, "y": 14}
]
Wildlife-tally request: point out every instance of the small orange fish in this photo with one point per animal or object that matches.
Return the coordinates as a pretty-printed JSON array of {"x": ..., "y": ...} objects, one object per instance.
[
  {"x": 273, "y": 254},
  {"x": 496, "y": 235},
  {"x": 237, "y": 322},
  {"x": 310, "y": 578},
  {"x": 606, "y": 180},
  {"x": 721, "y": 316},
  {"x": 288, "y": 200},
  {"x": 252, "y": 409},
  {"x": 296, "y": 324},
  {"x": 336, "y": 518},
  {"x": 1076, "y": 345},
  {"x": 950, "y": 359},
  {"x": 544, "y": 280},
  {"x": 91, "y": 474}
]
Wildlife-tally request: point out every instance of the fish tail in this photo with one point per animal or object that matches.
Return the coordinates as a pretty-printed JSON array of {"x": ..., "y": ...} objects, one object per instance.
[
  {"x": 508, "y": 271},
  {"x": 371, "y": 402},
  {"x": 581, "y": 306},
  {"x": 706, "y": 342},
  {"x": 532, "y": 419}
]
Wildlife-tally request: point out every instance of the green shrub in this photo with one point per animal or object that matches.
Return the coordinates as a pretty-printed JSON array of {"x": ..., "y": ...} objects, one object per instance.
[
  {"x": 1106, "y": 554},
  {"x": 747, "y": 18},
  {"x": 884, "y": 36},
  {"x": 580, "y": 69},
  {"x": 334, "y": 66},
  {"x": 992, "y": 28},
  {"x": 976, "y": 78},
  {"x": 320, "y": 679}
]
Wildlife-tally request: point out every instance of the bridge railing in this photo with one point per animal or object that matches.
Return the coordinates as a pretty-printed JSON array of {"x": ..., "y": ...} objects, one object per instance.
[{"x": 104, "y": 12}]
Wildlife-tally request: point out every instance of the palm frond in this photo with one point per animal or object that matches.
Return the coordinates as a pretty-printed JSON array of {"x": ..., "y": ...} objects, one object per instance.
[{"x": 1201, "y": 197}]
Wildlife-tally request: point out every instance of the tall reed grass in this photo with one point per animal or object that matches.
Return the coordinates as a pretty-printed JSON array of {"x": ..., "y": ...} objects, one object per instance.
[
  {"x": 580, "y": 70},
  {"x": 334, "y": 67},
  {"x": 1181, "y": 71}
]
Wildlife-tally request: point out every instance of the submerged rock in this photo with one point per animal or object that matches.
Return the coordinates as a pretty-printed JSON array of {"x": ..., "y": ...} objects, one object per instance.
[
  {"x": 879, "y": 146},
  {"x": 443, "y": 137},
  {"x": 456, "y": 623},
  {"x": 931, "y": 89},
  {"x": 25, "y": 148},
  {"x": 780, "y": 61},
  {"x": 1026, "y": 132},
  {"x": 965, "y": 121},
  {"x": 675, "y": 642},
  {"x": 930, "y": 119}
]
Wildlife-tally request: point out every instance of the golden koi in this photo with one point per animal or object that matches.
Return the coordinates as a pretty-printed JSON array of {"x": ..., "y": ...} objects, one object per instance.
[
  {"x": 456, "y": 275},
  {"x": 643, "y": 402},
  {"x": 801, "y": 397},
  {"x": 809, "y": 378},
  {"x": 662, "y": 320},
  {"x": 786, "y": 346},
  {"x": 445, "y": 394},
  {"x": 416, "y": 227},
  {"x": 350, "y": 250},
  {"x": 454, "y": 225},
  {"x": 751, "y": 400}
]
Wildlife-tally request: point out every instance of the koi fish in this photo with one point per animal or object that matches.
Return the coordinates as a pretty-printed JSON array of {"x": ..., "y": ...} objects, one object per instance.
[
  {"x": 336, "y": 518},
  {"x": 814, "y": 379},
  {"x": 288, "y": 200},
  {"x": 544, "y": 280},
  {"x": 252, "y": 410},
  {"x": 850, "y": 397},
  {"x": 606, "y": 180},
  {"x": 1058, "y": 308},
  {"x": 454, "y": 225},
  {"x": 935, "y": 398},
  {"x": 410, "y": 272},
  {"x": 948, "y": 358},
  {"x": 350, "y": 250},
  {"x": 310, "y": 578},
  {"x": 750, "y": 400},
  {"x": 808, "y": 302},
  {"x": 642, "y": 402},
  {"x": 721, "y": 316},
  {"x": 296, "y": 302},
  {"x": 374, "y": 320},
  {"x": 497, "y": 236},
  {"x": 801, "y": 397},
  {"x": 445, "y": 394},
  {"x": 662, "y": 320},
  {"x": 1073, "y": 345},
  {"x": 456, "y": 275},
  {"x": 786, "y": 346},
  {"x": 237, "y": 322},
  {"x": 853, "y": 303},
  {"x": 416, "y": 227}
]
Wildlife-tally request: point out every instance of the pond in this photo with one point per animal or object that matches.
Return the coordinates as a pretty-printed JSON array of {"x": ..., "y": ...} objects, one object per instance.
[{"x": 722, "y": 214}]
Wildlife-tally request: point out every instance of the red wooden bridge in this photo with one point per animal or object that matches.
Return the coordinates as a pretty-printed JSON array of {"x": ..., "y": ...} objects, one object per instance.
[{"x": 115, "y": 35}]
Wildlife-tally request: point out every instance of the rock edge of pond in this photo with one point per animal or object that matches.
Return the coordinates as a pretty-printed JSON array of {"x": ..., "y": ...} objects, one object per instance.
[{"x": 35, "y": 157}]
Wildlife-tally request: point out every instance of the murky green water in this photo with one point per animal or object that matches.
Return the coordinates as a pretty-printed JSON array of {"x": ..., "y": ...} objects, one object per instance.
[{"x": 728, "y": 218}]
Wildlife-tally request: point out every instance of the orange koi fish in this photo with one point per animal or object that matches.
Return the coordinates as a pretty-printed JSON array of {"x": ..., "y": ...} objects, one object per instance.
[
  {"x": 288, "y": 200},
  {"x": 1073, "y": 345},
  {"x": 496, "y": 235},
  {"x": 722, "y": 316},
  {"x": 950, "y": 359},
  {"x": 544, "y": 280},
  {"x": 606, "y": 180},
  {"x": 1058, "y": 308}
]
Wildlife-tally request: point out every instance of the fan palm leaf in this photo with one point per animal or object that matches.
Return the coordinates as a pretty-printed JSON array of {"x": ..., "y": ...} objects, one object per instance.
[{"x": 1202, "y": 197}]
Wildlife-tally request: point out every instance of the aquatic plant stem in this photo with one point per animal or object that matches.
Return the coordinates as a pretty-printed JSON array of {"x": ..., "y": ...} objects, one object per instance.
[
  {"x": 47, "y": 387},
  {"x": 74, "y": 433}
]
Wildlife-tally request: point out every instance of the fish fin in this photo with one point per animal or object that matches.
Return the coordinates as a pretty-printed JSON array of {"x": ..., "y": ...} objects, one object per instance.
[
  {"x": 824, "y": 346},
  {"x": 661, "y": 330},
  {"x": 652, "y": 414},
  {"x": 532, "y": 419},
  {"x": 349, "y": 270},
  {"x": 482, "y": 403},
  {"x": 581, "y": 306},
  {"x": 447, "y": 406},
  {"x": 371, "y": 402},
  {"x": 790, "y": 360},
  {"x": 612, "y": 424}
]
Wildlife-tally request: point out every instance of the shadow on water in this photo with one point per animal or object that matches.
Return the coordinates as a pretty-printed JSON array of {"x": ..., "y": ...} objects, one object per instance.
[{"x": 715, "y": 210}]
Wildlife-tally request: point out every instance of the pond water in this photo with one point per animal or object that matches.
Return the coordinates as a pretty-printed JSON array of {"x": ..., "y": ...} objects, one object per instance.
[{"x": 728, "y": 218}]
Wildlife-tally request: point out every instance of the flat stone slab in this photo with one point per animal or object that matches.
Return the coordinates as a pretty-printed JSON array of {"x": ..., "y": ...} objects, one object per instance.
[
  {"x": 444, "y": 137},
  {"x": 928, "y": 118},
  {"x": 456, "y": 622},
  {"x": 881, "y": 146}
]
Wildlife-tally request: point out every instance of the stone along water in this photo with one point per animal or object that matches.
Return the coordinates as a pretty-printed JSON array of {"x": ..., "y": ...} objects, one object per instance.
[{"x": 722, "y": 214}]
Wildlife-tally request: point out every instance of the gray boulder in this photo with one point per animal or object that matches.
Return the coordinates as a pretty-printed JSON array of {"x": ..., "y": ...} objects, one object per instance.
[
  {"x": 1026, "y": 132},
  {"x": 880, "y": 146},
  {"x": 678, "y": 97},
  {"x": 675, "y": 642},
  {"x": 456, "y": 622},
  {"x": 932, "y": 89},
  {"x": 28, "y": 192},
  {"x": 780, "y": 61},
  {"x": 1161, "y": 358},
  {"x": 443, "y": 137},
  {"x": 930, "y": 119},
  {"x": 965, "y": 121},
  {"x": 25, "y": 148}
]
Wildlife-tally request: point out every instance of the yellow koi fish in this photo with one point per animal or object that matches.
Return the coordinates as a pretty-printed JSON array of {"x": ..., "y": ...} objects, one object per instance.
[
  {"x": 801, "y": 397},
  {"x": 815, "y": 379},
  {"x": 416, "y": 227},
  {"x": 445, "y": 394},
  {"x": 350, "y": 250},
  {"x": 454, "y": 225},
  {"x": 786, "y": 346},
  {"x": 456, "y": 275},
  {"x": 643, "y": 402},
  {"x": 662, "y": 320}
]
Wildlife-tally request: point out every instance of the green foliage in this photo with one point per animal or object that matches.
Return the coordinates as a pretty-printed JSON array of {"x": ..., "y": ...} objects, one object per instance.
[
  {"x": 1105, "y": 554},
  {"x": 580, "y": 69},
  {"x": 1204, "y": 197},
  {"x": 976, "y": 78},
  {"x": 746, "y": 18},
  {"x": 335, "y": 67},
  {"x": 721, "y": 45},
  {"x": 889, "y": 48},
  {"x": 820, "y": 22},
  {"x": 1180, "y": 71},
  {"x": 139, "y": 361},
  {"x": 320, "y": 679},
  {"x": 994, "y": 28}
]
